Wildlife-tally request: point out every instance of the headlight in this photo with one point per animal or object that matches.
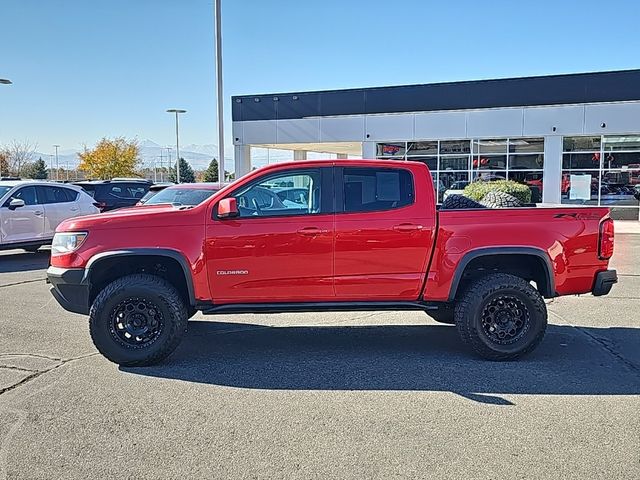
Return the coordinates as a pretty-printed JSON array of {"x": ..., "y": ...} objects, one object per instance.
[{"x": 67, "y": 242}]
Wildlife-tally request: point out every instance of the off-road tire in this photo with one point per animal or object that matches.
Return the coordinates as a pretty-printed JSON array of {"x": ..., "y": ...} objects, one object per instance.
[
  {"x": 454, "y": 202},
  {"x": 500, "y": 200},
  {"x": 478, "y": 297},
  {"x": 443, "y": 315},
  {"x": 149, "y": 288}
]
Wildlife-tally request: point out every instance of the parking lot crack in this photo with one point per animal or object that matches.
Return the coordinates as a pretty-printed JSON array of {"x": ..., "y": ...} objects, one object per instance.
[
  {"x": 602, "y": 343},
  {"x": 36, "y": 374},
  {"x": 23, "y": 282},
  {"x": 20, "y": 369}
]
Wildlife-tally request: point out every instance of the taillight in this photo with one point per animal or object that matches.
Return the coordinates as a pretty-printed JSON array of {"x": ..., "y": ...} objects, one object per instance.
[{"x": 605, "y": 241}]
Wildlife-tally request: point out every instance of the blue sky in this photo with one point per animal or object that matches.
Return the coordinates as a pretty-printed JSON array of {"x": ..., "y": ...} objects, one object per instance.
[{"x": 85, "y": 69}]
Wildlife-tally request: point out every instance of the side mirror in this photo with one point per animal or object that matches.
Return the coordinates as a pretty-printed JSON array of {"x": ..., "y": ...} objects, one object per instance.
[
  {"x": 16, "y": 203},
  {"x": 228, "y": 208}
]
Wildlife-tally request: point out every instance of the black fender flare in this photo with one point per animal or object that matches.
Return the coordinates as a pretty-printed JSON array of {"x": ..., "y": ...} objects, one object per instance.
[
  {"x": 158, "y": 252},
  {"x": 549, "y": 291}
]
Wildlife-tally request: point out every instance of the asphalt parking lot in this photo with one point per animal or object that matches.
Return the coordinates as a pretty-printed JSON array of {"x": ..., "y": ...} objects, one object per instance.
[{"x": 341, "y": 395}]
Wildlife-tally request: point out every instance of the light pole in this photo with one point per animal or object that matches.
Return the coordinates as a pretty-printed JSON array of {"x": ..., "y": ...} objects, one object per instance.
[
  {"x": 57, "y": 165},
  {"x": 4, "y": 81},
  {"x": 177, "y": 111},
  {"x": 218, "y": 49}
]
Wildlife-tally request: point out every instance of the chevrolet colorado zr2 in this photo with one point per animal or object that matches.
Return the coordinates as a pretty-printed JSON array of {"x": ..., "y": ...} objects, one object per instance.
[{"x": 357, "y": 235}]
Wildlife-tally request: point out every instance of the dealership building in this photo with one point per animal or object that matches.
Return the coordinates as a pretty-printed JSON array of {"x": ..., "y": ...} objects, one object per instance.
[{"x": 574, "y": 139}]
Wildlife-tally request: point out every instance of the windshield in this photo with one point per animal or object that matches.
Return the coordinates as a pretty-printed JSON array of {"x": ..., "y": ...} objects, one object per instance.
[
  {"x": 180, "y": 196},
  {"x": 145, "y": 198},
  {"x": 4, "y": 189}
]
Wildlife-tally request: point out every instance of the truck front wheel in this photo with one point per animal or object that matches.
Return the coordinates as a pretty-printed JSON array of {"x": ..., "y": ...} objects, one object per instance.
[
  {"x": 501, "y": 316},
  {"x": 137, "y": 320}
]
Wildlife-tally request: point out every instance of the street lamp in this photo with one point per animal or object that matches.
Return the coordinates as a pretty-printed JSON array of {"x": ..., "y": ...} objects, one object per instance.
[
  {"x": 218, "y": 48},
  {"x": 57, "y": 165},
  {"x": 177, "y": 111}
]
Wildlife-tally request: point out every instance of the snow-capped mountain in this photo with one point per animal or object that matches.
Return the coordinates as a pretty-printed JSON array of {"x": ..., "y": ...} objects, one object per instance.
[{"x": 151, "y": 153}]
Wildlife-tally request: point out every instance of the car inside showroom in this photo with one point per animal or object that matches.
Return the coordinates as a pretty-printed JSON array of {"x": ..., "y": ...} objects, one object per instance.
[{"x": 573, "y": 139}]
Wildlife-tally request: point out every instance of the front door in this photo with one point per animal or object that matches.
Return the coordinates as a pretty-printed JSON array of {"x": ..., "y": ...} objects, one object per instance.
[
  {"x": 280, "y": 247},
  {"x": 22, "y": 224},
  {"x": 384, "y": 233}
]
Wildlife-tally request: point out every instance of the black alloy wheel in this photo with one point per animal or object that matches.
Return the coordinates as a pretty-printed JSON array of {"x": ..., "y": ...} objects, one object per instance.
[
  {"x": 501, "y": 316},
  {"x": 136, "y": 322},
  {"x": 505, "y": 319}
]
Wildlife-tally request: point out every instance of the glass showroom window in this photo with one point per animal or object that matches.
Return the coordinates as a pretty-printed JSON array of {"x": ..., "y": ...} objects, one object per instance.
[
  {"x": 518, "y": 159},
  {"x": 391, "y": 151},
  {"x": 453, "y": 163},
  {"x": 525, "y": 164},
  {"x": 453, "y": 166},
  {"x": 603, "y": 171}
]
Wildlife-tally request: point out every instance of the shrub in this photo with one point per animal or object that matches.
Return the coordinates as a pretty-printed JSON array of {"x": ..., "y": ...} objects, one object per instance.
[{"x": 478, "y": 189}]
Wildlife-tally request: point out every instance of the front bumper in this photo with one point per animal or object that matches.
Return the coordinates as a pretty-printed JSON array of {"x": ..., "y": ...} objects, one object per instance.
[
  {"x": 604, "y": 282},
  {"x": 70, "y": 288}
]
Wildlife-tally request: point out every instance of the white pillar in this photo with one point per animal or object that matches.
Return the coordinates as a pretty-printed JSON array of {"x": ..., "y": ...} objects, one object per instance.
[
  {"x": 342, "y": 156},
  {"x": 368, "y": 150},
  {"x": 242, "y": 154},
  {"x": 552, "y": 172},
  {"x": 299, "y": 155}
]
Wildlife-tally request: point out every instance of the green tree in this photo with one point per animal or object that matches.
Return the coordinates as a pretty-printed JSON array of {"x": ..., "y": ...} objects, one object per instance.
[
  {"x": 110, "y": 158},
  {"x": 36, "y": 170},
  {"x": 187, "y": 175},
  {"x": 211, "y": 173}
]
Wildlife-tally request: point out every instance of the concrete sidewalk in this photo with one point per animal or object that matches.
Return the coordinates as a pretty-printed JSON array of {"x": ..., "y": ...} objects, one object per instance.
[{"x": 627, "y": 226}]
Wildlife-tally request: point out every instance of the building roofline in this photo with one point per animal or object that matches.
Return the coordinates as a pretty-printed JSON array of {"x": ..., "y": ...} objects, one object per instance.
[
  {"x": 557, "y": 89},
  {"x": 452, "y": 82}
]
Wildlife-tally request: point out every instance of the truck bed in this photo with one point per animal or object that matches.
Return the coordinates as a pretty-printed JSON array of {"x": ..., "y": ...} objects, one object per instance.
[{"x": 568, "y": 235}]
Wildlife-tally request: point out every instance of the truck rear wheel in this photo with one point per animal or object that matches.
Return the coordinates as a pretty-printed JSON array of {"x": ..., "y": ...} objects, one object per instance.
[
  {"x": 501, "y": 316},
  {"x": 137, "y": 320}
]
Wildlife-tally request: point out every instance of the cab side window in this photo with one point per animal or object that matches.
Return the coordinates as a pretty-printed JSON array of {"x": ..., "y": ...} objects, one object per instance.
[
  {"x": 374, "y": 189},
  {"x": 28, "y": 194},
  {"x": 56, "y": 195},
  {"x": 271, "y": 196}
]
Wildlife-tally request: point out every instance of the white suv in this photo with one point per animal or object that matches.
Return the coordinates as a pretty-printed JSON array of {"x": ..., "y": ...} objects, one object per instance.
[{"x": 30, "y": 211}]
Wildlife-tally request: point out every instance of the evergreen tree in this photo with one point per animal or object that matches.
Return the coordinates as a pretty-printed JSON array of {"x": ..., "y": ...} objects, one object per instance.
[
  {"x": 187, "y": 175},
  {"x": 36, "y": 170},
  {"x": 211, "y": 173}
]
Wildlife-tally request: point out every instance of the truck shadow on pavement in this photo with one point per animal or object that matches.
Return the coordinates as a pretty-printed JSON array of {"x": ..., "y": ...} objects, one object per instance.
[
  {"x": 24, "y": 261},
  {"x": 570, "y": 361}
]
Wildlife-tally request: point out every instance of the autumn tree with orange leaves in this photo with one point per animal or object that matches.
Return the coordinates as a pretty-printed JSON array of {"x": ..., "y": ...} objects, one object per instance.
[{"x": 117, "y": 157}]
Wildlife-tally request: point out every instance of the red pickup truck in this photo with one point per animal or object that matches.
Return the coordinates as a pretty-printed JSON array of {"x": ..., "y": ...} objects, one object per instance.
[{"x": 327, "y": 235}]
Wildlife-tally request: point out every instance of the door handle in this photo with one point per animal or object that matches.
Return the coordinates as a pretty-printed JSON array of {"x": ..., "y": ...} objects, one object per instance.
[
  {"x": 74, "y": 209},
  {"x": 312, "y": 231},
  {"x": 38, "y": 212},
  {"x": 407, "y": 227}
]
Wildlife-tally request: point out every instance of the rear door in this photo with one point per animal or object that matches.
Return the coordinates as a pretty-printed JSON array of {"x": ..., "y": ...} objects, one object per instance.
[
  {"x": 385, "y": 223},
  {"x": 23, "y": 224},
  {"x": 59, "y": 204}
]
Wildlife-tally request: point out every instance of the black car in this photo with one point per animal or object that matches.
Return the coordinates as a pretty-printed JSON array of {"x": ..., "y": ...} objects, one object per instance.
[{"x": 116, "y": 193}]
